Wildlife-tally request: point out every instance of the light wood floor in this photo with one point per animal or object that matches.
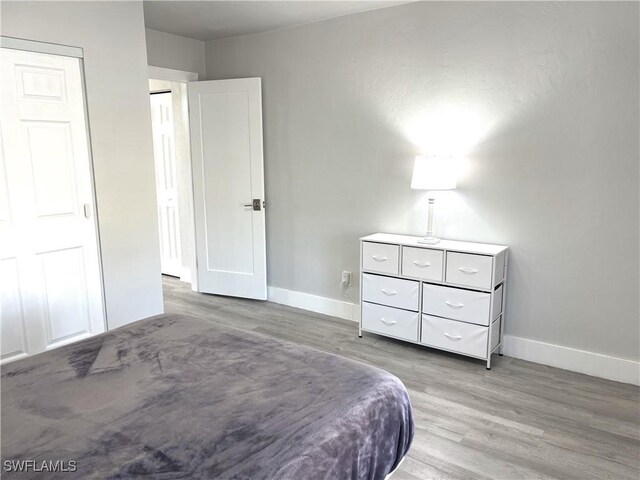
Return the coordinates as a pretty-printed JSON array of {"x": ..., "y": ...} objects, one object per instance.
[{"x": 518, "y": 420}]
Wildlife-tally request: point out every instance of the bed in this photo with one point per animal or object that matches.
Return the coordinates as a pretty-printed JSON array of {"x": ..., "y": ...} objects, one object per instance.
[{"x": 178, "y": 397}]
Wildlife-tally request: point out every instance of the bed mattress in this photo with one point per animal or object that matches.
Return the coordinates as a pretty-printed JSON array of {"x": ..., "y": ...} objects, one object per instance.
[{"x": 177, "y": 397}]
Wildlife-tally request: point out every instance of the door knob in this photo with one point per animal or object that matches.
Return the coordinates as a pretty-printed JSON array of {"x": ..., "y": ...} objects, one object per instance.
[{"x": 256, "y": 205}]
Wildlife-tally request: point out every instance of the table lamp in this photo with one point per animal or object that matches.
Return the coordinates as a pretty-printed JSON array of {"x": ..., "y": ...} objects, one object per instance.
[{"x": 433, "y": 173}]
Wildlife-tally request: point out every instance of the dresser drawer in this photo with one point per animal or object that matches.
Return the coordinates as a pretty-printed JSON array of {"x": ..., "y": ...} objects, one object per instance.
[
  {"x": 455, "y": 303},
  {"x": 455, "y": 336},
  {"x": 393, "y": 292},
  {"x": 469, "y": 270},
  {"x": 497, "y": 302},
  {"x": 380, "y": 257},
  {"x": 423, "y": 263},
  {"x": 495, "y": 333},
  {"x": 390, "y": 321}
]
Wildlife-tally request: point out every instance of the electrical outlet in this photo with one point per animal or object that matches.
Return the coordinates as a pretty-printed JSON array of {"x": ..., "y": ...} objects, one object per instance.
[{"x": 346, "y": 279}]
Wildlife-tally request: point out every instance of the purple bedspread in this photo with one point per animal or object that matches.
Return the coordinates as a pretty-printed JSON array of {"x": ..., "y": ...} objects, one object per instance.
[{"x": 176, "y": 397}]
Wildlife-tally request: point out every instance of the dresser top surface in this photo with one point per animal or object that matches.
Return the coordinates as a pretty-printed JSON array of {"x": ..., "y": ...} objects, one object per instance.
[{"x": 453, "y": 245}]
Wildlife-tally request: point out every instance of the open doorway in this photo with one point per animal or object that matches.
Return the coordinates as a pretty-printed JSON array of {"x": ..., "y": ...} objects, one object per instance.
[
  {"x": 172, "y": 157},
  {"x": 210, "y": 204},
  {"x": 165, "y": 153}
]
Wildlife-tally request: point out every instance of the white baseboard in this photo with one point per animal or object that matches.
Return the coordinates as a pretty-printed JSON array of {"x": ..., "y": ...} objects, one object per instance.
[
  {"x": 314, "y": 303},
  {"x": 582, "y": 361}
]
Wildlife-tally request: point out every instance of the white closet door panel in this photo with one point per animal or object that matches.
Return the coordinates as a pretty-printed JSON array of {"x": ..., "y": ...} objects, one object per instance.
[
  {"x": 166, "y": 183},
  {"x": 65, "y": 294},
  {"x": 12, "y": 328},
  {"x": 52, "y": 169},
  {"x": 49, "y": 249},
  {"x": 41, "y": 83},
  {"x": 5, "y": 211}
]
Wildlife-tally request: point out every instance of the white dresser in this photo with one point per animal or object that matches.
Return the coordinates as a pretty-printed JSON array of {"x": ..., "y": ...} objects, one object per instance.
[{"x": 449, "y": 296}]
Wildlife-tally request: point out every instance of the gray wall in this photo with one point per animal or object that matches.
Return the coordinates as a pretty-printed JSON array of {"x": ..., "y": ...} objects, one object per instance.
[
  {"x": 541, "y": 97},
  {"x": 176, "y": 52},
  {"x": 113, "y": 38}
]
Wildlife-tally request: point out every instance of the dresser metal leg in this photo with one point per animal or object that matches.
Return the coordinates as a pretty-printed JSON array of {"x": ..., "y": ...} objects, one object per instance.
[{"x": 489, "y": 363}]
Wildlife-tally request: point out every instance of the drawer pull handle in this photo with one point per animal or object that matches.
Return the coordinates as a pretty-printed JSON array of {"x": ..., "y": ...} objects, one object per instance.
[
  {"x": 454, "y": 305},
  {"x": 388, "y": 322},
  {"x": 469, "y": 271},
  {"x": 379, "y": 258},
  {"x": 420, "y": 264},
  {"x": 388, "y": 292},
  {"x": 452, "y": 337}
]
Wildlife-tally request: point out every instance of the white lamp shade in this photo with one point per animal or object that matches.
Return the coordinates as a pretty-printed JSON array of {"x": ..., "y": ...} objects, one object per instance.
[{"x": 434, "y": 173}]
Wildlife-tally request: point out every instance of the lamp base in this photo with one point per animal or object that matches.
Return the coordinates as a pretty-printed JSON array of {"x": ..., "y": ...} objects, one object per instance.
[{"x": 429, "y": 240}]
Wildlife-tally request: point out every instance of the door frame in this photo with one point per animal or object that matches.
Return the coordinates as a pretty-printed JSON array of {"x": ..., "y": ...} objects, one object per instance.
[
  {"x": 172, "y": 75},
  {"x": 75, "y": 52},
  {"x": 41, "y": 47},
  {"x": 184, "y": 77}
]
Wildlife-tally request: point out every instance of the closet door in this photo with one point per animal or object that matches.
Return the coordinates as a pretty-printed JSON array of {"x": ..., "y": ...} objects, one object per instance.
[
  {"x": 164, "y": 154},
  {"x": 50, "y": 282}
]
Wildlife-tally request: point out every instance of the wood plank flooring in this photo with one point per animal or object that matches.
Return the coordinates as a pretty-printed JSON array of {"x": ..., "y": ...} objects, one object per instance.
[{"x": 520, "y": 420}]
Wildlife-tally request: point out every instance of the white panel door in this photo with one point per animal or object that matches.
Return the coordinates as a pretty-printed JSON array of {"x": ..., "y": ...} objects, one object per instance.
[
  {"x": 164, "y": 152},
  {"x": 50, "y": 284},
  {"x": 228, "y": 186}
]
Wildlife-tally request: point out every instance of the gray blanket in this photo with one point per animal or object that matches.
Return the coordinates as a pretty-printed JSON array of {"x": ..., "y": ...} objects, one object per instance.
[{"x": 175, "y": 397}]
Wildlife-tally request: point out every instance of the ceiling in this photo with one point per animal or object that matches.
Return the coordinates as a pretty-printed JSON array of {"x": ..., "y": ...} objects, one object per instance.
[{"x": 209, "y": 20}]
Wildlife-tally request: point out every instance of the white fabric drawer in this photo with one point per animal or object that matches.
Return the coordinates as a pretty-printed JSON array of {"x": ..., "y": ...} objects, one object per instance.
[
  {"x": 455, "y": 336},
  {"x": 455, "y": 303},
  {"x": 380, "y": 257},
  {"x": 497, "y": 302},
  {"x": 423, "y": 263},
  {"x": 495, "y": 333},
  {"x": 469, "y": 270},
  {"x": 390, "y": 321},
  {"x": 393, "y": 292}
]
